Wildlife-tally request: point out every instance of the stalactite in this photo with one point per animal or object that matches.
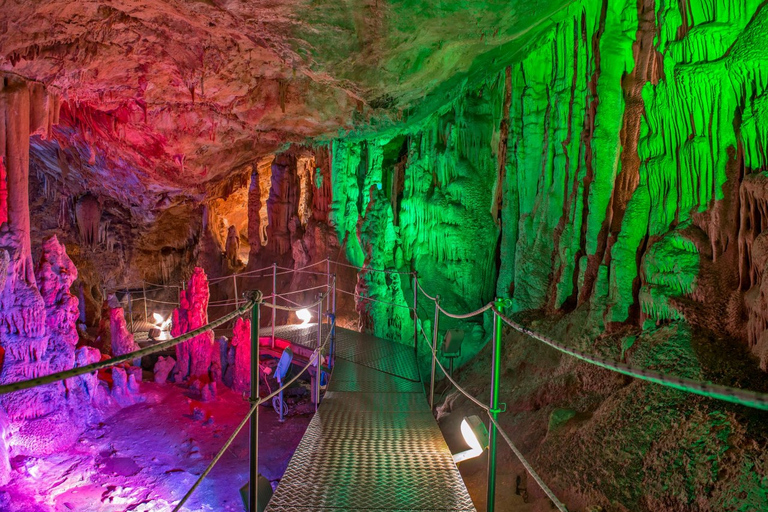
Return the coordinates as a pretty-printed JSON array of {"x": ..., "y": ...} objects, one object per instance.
[{"x": 88, "y": 213}]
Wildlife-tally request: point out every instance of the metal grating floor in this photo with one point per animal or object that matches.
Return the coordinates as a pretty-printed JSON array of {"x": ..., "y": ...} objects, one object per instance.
[{"x": 373, "y": 444}]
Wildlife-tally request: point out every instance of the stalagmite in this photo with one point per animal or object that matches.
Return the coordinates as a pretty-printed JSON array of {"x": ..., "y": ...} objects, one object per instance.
[
  {"x": 232, "y": 248},
  {"x": 241, "y": 340},
  {"x": 193, "y": 357}
]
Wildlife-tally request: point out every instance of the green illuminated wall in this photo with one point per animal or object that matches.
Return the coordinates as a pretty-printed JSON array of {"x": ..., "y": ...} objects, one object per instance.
[{"x": 632, "y": 130}]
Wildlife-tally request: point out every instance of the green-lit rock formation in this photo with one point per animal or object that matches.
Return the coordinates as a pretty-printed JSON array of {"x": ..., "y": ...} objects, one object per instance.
[{"x": 632, "y": 136}]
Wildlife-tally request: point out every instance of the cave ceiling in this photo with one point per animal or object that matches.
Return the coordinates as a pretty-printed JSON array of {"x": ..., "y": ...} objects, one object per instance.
[{"x": 162, "y": 98}]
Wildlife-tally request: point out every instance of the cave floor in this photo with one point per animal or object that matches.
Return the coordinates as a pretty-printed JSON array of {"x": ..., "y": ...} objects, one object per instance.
[{"x": 146, "y": 456}]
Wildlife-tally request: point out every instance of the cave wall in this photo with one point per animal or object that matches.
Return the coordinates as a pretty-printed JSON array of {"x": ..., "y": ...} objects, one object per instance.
[{"x": 619, "y": 165}]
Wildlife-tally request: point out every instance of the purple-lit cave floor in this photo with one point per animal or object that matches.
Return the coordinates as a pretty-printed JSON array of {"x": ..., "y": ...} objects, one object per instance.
[{"x": 145, "y": 457}]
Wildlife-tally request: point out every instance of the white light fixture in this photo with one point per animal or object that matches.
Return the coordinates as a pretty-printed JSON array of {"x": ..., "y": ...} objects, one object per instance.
[
  {"x": 304, "y": 315},
  {"x": 475, "y": 435},
  {"x": 161, "y": 324}
]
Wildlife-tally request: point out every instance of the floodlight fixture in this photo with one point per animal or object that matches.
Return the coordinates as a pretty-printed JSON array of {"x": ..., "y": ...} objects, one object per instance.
[
  {"x": 475, "y": 435},
  {"x": 304, "y": 315}
]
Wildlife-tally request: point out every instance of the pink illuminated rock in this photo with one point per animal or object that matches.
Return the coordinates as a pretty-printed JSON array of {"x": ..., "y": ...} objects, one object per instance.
[
  {"x": 55, "y": 274},
  {"x": 121, "y": 339},
  {"x": 163, "y": 368},
  {"x": 88, "y": 213},
  {"x": 193, "y": 357},
  {"x": 241, "y": 340}
]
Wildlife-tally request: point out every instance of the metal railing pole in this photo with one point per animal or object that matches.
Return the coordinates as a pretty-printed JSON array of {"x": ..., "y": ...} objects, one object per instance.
[
  {"x": 274, "y": 301},
  {"x": 234, "y": 280},
  {"x": 434, "y": 354},
  {"x": 328, "y": 283},
  {"x": 333, "y": 306},
  {"x": 317, "y": 361},
  {"x": 332, "y": 356},
  {"x": 494, "y": 406},
  {"x": 130, "y": 308},
  {"x": 415, "y": 317},
  {"x": 144, "y": 294},
  {"x": 253, "y": 489}
]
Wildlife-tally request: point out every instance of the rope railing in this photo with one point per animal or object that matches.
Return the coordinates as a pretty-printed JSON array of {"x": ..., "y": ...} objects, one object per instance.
[
  {"x": 256, "y": 299},
  {"x": 728, "y": 394},
  {"x": 476, "y": 312},
  {"x": 320, "y": 299},
  {"x": 315, "y": 357},
  {"x": 164, "y": 345},
  {"x": 450, "y": 378},
  {"x": 240, "y": 274},
  {"x": 528, "y": 467},
  {"x": 299, "y": 271},
  {"x": 363, "y": 297},
  {"x": 372, "y": 269}
]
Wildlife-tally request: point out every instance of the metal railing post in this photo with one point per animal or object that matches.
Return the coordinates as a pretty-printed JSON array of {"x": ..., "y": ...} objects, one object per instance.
[
  {"x": 494, "y": 406},
  {"x": 415, "y": 317},
  {"x": 144, "y": 294},
  {"x": 253, "y": 490},
  {"x": 274, "y": 301},
  {"x": 328, "y": 284},
  {"x": 234, "y": 280},
  {"x": 434, "y": 354},
  {"x": 130, "y": 308},
  {"x": 332, "y": 351},
  {"x": 318, "y": 361}
]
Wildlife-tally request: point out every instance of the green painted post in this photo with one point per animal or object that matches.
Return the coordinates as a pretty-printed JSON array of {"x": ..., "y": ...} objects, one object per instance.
[
  {"x": 494, "y": 406},
  {"x": 253, "y": 494}
]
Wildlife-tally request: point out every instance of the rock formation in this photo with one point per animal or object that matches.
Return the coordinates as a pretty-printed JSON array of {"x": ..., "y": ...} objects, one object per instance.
[
  {"x": 241, "y": 341},
  {"x": 193, "y": 357},
  {"x": 121, "y": 340}
]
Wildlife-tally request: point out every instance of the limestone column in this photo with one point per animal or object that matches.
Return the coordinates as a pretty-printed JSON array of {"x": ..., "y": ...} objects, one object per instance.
[{"x": 16, "y": 94}]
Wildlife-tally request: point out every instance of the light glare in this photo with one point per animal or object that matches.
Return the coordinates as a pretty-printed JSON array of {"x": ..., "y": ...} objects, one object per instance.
[{"x": 304, "y": 315}]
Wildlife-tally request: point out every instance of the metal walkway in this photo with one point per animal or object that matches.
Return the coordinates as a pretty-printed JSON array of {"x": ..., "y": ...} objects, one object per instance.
[{"x": 373, "y": 444}]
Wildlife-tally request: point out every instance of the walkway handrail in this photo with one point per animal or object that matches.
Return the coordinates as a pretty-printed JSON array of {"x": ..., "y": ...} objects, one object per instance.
[
  {"x": 82, "y": 370},
  {"x": 363, "y": 297},
  {"x": 527, "y": 466},
  {"x": 476, "y": 312},
  {"x": 450, "y": 378},
  {"x": 403, "y": 273},
  {"x": 315, "y": 354},
  {"x": 725, "y": 393}
]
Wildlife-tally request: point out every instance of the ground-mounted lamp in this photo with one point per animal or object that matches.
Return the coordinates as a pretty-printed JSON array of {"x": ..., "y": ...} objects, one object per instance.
[
  {"x": 286, "y": 358},
  {"x": 304, "y": 315},
  {"x": 452, "y": 346},
  {"x": 161, "y": 328},
  {"x": 475, "y": 435}
]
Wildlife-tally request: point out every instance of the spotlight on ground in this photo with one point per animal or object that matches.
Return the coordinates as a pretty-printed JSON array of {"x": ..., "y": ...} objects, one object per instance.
[
  {"x": 304, "y": 315},
  {"x": 475, "y": 435}
]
